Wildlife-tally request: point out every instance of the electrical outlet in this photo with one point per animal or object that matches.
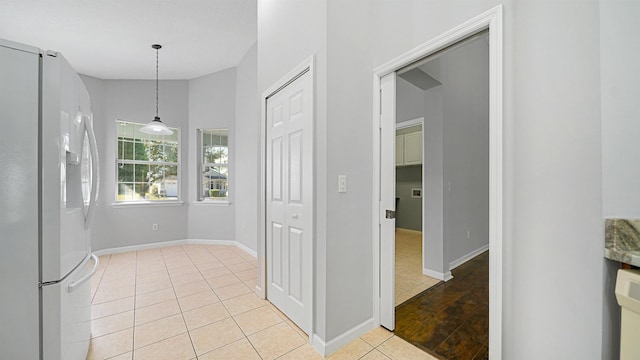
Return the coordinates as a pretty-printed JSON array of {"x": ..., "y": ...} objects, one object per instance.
[{"x": 154, "y": 227}]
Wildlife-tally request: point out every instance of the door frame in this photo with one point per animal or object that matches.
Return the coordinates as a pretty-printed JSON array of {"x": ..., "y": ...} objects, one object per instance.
[
  {"x": 306, "y": 66},
  {"x": 492, "y": 20}
]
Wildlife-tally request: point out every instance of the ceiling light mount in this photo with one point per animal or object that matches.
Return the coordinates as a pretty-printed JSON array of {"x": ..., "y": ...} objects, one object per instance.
[{"x": 156, "y": 127}]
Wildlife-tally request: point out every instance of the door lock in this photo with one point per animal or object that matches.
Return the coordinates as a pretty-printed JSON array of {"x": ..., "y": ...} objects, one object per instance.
[{"x": 390, "y": 214}]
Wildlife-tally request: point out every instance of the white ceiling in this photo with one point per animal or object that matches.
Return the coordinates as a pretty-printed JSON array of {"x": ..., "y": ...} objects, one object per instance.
[{"x": 111, "y": 39}]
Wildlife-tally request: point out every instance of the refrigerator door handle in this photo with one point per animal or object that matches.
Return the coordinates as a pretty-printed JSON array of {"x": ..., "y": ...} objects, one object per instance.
[
  {"x": 88, "y": 276},
  {"x": 94, "y": 173}
]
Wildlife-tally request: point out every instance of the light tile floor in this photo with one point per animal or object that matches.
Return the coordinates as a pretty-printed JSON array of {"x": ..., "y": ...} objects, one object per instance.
[
  {"x": 198, "y": 302},
  {"x": 409, "y": 278}
]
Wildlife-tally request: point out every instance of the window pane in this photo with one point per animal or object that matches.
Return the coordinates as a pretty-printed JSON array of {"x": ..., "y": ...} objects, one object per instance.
[
  {"x": 171, "y": 170},
  {"x": 126, "y": 130},
  {"x": 141, "y": 173},
  {"x": 214, "y": 151},
  {"x": 128, "y": 150},
  {"x": 137, "y": 133},
  {"x": 145, "y": 176},
  {"x": 155, "y": 151},
  {"x": 125, "y": 191},
  {"x": 173, "y": 138},
  {"x": 206, "y": 185},
  {"x": 141, "y": 151},
  {"x": 214, "y": 180},
  {"x": 120, "y": 149},
  {"x": 208, "y": 155},
  {"x": 172, "y": 153},
  {"x": 163, "y": 182},
  {"x": 125, "y": 172},
  {"x": 141, "y": 190},
  {"x": 221, "y": 155}
]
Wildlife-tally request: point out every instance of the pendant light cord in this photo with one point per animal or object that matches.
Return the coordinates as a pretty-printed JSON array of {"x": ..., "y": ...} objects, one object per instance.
[{"x": 157, "y": 48}]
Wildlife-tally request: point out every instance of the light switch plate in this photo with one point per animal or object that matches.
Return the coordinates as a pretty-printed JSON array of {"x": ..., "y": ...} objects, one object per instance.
[{"x": 342, "y": 183}]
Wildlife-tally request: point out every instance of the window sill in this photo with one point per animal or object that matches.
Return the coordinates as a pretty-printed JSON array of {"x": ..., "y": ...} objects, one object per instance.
[
  {"x": 147, "y": 203},
  {"x": 211, "y": 203}
]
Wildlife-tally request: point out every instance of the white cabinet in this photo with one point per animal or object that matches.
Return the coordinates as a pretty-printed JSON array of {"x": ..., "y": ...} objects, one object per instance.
[
  {"x": 413, "y": 148},
  {"x": 409, "y": 148},
  {"x": 399, "y": 150}
]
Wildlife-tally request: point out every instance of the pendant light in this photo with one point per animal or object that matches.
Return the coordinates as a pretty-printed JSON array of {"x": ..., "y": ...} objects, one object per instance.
[{"x": 156, "y": 127}]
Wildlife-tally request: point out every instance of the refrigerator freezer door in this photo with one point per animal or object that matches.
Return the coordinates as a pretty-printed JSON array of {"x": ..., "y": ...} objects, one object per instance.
[
  {"x": 66, "y": 110},
  {"x": 66, "y": 314},
  {"x": 19, "y": 320}
]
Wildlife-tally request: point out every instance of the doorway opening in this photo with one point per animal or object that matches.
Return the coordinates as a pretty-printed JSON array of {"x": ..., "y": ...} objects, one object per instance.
[
  {"x": 450, "y": 89},
  {"x": 410, "y": 276},
  {"x": 459, "y": 212}
]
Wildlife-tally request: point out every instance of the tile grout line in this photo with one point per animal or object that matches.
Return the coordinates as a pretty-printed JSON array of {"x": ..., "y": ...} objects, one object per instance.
[
  {"x": 232, "y": 316},
  {"x": 214, "y": 293},
  {"x": 221, "y": 302},
  {"x": 163, "y": 256},
  {"x": 178, "y": 301},
  {"x": 155, "y": 342},
  {"x": 135, "y": 288},
  {"x": 100, "y": 281},
  {"x": 99, "y": 284}
]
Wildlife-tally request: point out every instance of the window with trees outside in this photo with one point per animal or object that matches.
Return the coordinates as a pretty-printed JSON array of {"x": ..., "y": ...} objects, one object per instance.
[
  {"x": 148, "y": 166},
  {"x": 213, "y": 145}
]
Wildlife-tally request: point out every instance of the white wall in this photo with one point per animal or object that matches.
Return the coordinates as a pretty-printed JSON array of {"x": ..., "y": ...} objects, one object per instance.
[
  {"x": 553, "y": 236},
  {"x": 619, "y": 57},
  {"x": 212, "y": 104},
  {"x": 432, "y": 173},
  {"x": 464, "y": 74},
  {"x": 134, "y": 100},
  {"x": 289, "y": 31},
  {"x": 553, "y": 176},
  {"x": 247, "y": 150},
  {"x": 349, "y": 104},
  {"x": 456, "y": 150},
  {"x": 553, "y": 232},
  {"x": 410, "y": 101},
  {"x": 205, "y": 102}
]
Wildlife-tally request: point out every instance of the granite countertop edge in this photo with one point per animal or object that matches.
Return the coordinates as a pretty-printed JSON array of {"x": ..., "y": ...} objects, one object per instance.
[{"x": 622, "y": 240}]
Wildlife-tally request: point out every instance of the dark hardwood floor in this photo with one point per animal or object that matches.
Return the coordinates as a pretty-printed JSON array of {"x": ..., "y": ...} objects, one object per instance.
[{"x": 451, "y": 319}]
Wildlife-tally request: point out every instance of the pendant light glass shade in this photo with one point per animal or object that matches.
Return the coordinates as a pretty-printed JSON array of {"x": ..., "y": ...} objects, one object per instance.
[{"x": 156, "y": 127}]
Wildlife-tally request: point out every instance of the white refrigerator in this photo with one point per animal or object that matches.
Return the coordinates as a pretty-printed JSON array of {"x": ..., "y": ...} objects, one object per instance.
[{"x": 48, "y": 191}]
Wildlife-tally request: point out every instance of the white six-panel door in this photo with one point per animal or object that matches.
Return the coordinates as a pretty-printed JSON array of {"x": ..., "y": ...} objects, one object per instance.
[{"x": 289, "y": 197}]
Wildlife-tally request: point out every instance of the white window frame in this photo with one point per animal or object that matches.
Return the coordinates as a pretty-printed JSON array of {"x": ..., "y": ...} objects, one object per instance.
[
  {"x": 146, "y": 202},
  {"x": 201, "y": 164}
]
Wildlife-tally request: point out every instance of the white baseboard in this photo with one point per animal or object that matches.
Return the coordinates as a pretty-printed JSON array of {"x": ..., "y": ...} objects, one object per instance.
[
  {"x": 123, "y": 249},
  {"x": 455, "y": 263},
  {"x": 174, "y": 243},
  {"x": 259, "y": 292},
  {"x": 327, "y": 348},
  {"x": 246, "y": 249},
  {"x": 318, "y": 344},
  {"x": 437, "y": 275}
]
